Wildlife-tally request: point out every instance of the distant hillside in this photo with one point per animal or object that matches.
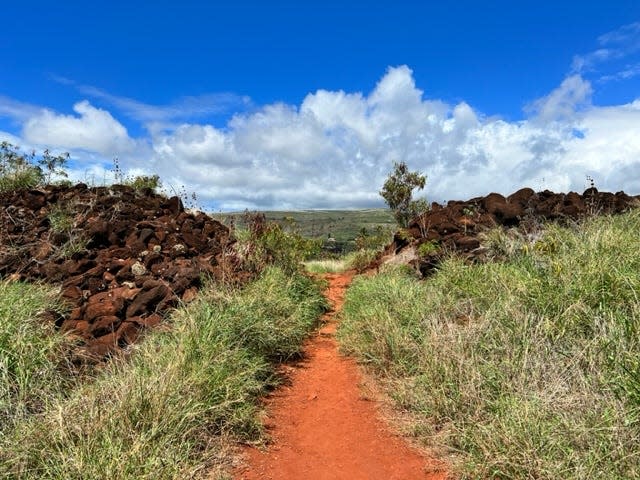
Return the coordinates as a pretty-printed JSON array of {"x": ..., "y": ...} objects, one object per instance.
[{"x": 342, "y": 225}]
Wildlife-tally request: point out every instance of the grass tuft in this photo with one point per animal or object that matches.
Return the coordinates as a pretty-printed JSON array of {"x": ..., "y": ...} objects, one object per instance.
[
  {"x": 358, "y": 260},
  {"x": 31, "y": 354},
  {"x": 326, "y": 266}
]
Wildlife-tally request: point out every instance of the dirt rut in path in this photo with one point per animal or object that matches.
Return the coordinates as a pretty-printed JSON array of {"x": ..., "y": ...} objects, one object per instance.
[{"x": 322, "y": 428}]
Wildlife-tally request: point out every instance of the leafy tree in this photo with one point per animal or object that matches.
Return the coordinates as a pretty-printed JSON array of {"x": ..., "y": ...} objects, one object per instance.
[{"x": 397, "y": 191}]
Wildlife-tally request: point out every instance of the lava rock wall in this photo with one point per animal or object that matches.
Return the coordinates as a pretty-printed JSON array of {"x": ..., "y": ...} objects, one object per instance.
[
  {"x": 456, "y": 226},
  {"x": 122, "y": 257}
]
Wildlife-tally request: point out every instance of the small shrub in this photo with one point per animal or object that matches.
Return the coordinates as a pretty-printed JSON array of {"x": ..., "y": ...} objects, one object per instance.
[
  {"x": 502, "y": 243},
  {"x": 76, "y": 245},
  {"x": 138, "y": 182},
  {"x": 53, "y": 164},
  {"x": 63, "y": 183},
  {"x": 361, "y": 259},
  {"x": 16, "y": 169},
  {"x": 69, "y": 241},
  {"x": 60, "y": 219},
  {"x": 375, "y": 240},
  {"x": 404, "y": 235},
  {"x": 144, "y": 182}
]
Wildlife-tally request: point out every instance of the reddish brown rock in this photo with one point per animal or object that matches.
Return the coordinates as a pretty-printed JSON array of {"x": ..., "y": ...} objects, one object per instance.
[
  {"x": 190, "y": 295},
  {"x": 102, "y": 305},
  {"x": 147, "y": 300},
  {"x": 80, "y": 327},
  {"x": 72, "y": 294},
  {"x": 146, "y": 321},
  {"x": 76, "y": 313},
  {"x": 128, "y": 332},
  {"x": 505, "y": 213},
  {"x": 104, "y": 325},
  {"x": 466, "y": 243},
  {"x": 521, "y": 197}
]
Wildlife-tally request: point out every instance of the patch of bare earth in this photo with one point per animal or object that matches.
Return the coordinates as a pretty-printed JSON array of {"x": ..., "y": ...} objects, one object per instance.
[{"x": 323, "y": 427}]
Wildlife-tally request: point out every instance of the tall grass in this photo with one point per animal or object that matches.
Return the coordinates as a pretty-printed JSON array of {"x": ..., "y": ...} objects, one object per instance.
[
  {"x": 330, "y": 265},
  {"x": 160, "y": 413},
  {"x": 527, "y": 368},
  {"x": 358, "y": 260},
  {"x": 31, "y": 357}
]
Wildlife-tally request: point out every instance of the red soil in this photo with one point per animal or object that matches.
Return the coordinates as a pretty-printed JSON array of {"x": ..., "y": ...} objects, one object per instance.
[{"x": 322, "y": 428}]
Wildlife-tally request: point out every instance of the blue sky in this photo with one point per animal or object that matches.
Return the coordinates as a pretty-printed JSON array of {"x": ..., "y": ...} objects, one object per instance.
[{"x": 307, "y": 104}]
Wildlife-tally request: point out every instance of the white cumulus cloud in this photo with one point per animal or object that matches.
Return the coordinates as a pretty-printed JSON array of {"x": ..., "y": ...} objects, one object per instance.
[
  {"x": 562, "y": 102},
  {"x": 336, "y": 148},
  {"x": 92, "y": 129}
]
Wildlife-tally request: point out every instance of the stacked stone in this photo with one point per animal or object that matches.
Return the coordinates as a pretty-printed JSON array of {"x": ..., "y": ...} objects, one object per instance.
[{"x": 140, "y": 254}]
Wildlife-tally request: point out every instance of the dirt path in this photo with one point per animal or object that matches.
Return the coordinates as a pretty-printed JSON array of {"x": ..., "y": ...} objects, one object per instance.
[{"x": 322, "y": 428}]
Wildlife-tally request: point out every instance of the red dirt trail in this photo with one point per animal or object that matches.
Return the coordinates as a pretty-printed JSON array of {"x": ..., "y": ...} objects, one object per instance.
[{"x": 321, "y": 427}]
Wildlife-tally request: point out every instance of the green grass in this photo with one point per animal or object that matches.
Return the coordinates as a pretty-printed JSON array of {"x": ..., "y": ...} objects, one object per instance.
[
  {"x": 31, "y": 356},
  {"x": 527, "y": 368},
  {"x": 164, "y": 412}
]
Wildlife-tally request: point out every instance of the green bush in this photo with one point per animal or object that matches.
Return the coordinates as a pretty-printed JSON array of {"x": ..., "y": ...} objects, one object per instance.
[
  {"x": 379, "y": 238},
  {"x": 428, "y": 248},
  {"x": 70, "y": 240},
  {"x": 16, "y": 169},
  {"x": 527, "y": 368},
  {"x": 60, "y": 219}
]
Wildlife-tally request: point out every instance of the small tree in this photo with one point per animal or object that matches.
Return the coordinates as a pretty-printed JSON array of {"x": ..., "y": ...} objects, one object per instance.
[{"x": 398, "y": 193}]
